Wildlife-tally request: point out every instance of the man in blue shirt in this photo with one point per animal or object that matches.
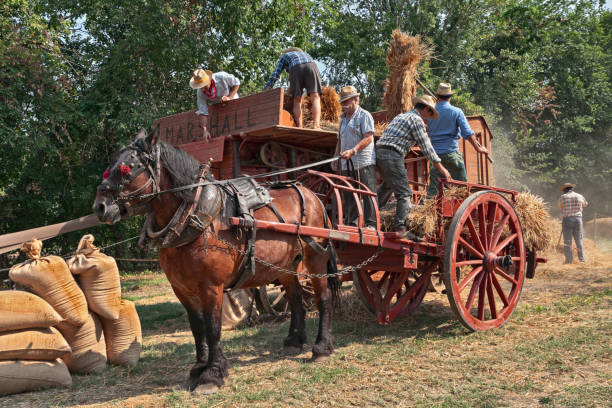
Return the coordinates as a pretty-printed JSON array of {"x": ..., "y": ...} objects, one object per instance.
[
  {"x": 303, "y": 74},
  {"x": 444, "y": 133},
  {"x": 405, "y": 131}
]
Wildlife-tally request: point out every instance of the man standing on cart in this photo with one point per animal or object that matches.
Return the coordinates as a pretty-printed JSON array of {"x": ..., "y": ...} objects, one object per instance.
[
  {"x": 445, "y": 131},
  {"x": 356, "y": 145},
  {"x": 303, "y": 74},
  {"x": 212, "y": 88},
  {"x": 405, "y": 130}
]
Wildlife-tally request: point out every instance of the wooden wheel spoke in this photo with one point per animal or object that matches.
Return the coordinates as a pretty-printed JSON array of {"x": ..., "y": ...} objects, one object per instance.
[
  {"x": 504, "y": 275},
  {"x": 504, "y": 243},
  {"x": 499, "y": 290},
  {"x": 500, "y": 229},
  {"x": 482, "y": 226},
  {"x": 481, "y": 297},
  {"x": 492, "y": 211},
  {"x": 491, "y": 297},
  {"x": 470, "y": 224},
  {"x": 372, "y": 290},
  {"x": 472, "y": 295},
  {"x": 386, "y": 276},
  {"x": 469, "y": 278},
  {"x": 395, "y": 285},
  {"x": 280, "y": 297},
  {"x": 470, "y": 248},
  {"x": 469, "y": 262}
]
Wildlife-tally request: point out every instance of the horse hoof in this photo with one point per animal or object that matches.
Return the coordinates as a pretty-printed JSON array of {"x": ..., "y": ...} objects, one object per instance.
[
  {"x": 319, "y": 359},
  {"x": 292, "y": 350},
  {"x": 206, "y": 389}
]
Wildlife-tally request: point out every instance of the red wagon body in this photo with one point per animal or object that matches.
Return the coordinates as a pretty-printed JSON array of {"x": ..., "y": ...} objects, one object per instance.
[{"x": 478, "y": 248}]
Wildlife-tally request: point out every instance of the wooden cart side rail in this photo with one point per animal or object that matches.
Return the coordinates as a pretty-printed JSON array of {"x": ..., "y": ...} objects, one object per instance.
[{"x": 368, "y": 237}]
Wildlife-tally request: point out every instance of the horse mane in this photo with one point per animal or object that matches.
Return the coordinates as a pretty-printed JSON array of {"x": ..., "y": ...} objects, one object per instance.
[{"x": 182, "y": 168}]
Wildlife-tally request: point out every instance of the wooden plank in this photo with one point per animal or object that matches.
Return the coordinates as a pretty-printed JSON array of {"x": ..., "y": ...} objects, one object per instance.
[
  {"x": 204, "y": 151},
  {"x": 258, "y": 111},
  {"x": 9, "y": 242}
]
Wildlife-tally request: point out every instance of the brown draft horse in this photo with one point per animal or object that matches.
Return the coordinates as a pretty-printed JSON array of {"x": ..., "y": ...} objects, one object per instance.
[{"x": 200, "y": 270}]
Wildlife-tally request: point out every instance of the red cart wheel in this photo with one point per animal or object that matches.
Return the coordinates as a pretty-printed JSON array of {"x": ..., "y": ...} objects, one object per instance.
[
  {"x": 389, "y": 295},
  {"x": 484, "y": 261}
]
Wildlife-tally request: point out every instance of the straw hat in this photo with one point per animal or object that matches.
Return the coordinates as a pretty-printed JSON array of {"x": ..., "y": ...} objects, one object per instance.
[
  {"x": 567, "y": 185},
  {"x": 427, "y": 101},
  {"x": 444, "y": 89},
  {"x": 200, "y": 78},
  {"x": 348, "y": 92},
  {"x": 290, "y": 49}
]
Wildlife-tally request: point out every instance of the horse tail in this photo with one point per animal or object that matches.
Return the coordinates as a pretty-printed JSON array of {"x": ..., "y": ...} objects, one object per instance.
[{"x": 333, "y": 282}]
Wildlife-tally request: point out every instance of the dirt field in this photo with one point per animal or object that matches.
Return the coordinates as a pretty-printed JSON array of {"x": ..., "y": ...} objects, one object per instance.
[{"x": 554, "y": 352}]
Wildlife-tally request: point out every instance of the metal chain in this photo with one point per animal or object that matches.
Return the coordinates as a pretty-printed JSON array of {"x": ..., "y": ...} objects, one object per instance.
[{"x": 232, "y": 247}]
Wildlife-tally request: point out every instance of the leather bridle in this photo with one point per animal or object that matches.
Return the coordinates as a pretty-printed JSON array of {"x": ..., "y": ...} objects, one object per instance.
[{"x": 138, "y": 162}]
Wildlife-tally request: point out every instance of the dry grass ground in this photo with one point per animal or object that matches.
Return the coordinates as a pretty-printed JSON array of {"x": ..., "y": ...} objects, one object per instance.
[{"x": 554, "y": 352}]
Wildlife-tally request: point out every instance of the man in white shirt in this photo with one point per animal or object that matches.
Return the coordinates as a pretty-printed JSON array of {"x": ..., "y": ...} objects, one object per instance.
[{"x": 210, "y": 89}]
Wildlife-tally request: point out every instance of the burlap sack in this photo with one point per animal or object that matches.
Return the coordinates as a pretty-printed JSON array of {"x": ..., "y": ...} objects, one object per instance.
[
  {"x": 98, "y": 276},
  {"x": 24, "y": 310},
  {"x": 20, "y": 376},
  {"x": 88, "y": 346},
  {"x": 50, "y": 278},
  {"x": 237, "y": 305},
  {"x": 33, "y": 344},
  {"x": 123, "y": 336}
]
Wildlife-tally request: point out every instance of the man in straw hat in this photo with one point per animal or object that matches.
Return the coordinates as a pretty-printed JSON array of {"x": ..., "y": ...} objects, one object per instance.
[
  {"x": 405, "y": 130},
  {"x": 356, "y": 144},
  {"x": 445, "y": 132},
  {"x": 571, "y": 204},
  {"x": 210, "y": 89},
  {"x": 303, "y": 74}
]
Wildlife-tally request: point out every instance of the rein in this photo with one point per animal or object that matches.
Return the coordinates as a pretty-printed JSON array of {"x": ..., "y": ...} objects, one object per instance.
[{"x": 222, "y": 182}]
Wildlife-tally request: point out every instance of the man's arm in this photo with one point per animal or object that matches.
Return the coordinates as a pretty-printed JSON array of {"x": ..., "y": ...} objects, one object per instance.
[
  {"x": 203, "y": 113},
  {"x": 232, "y": 93},
  {"x": 276, "y": 74},
  {"x": 363, "y": 143},
  {"x": 425, "y": 144},
  {"x": 477, "y": 146}
]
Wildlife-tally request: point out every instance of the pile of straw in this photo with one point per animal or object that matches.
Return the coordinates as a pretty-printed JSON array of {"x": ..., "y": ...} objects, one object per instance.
[
  {"x": 423, "y": 218},
  {"x": 533, "y": 213},
  {"x": 379, "y": 128},
  {"x": 404, "y": 55},
  {"x": 330, "y": 108}
]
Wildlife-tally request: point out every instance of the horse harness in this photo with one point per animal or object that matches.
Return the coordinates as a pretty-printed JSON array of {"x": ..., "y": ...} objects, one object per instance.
[{"x": 239, "y": 198}]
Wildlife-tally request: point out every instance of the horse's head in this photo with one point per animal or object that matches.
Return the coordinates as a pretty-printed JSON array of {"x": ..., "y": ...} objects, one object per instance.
[{"x": 134, "y": 171}]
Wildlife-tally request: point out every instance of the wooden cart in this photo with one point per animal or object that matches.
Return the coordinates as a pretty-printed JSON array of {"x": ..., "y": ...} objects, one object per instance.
[{"x": 478, "y": 246}]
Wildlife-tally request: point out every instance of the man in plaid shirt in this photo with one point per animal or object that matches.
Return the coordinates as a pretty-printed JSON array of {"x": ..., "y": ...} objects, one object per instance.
[
  {"x": 571, "y": 204},
  {"x": 405, "y": 130},
  {"x": 303, "y": 74}
]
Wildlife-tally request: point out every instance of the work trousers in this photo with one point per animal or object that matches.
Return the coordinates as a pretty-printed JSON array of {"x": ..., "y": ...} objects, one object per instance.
[
  {"x": 453, "y": 162},
  {"x": 572, "y": 227},
  {"x": 367, "y": 175},
  {"x": 390, "y": 162}
]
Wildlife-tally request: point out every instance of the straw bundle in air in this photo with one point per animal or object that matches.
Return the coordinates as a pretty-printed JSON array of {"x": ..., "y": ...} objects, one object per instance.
[
  {"x": 404, "y": 55},
  {"x": 533, "y": 213}
]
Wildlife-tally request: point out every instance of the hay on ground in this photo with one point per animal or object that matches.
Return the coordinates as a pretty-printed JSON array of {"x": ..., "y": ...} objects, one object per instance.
[
  {"x": 533, "y": 214},
  {"x": 404, "y": 55}
]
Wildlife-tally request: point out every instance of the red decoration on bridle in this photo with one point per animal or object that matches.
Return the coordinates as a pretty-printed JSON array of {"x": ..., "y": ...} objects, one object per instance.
[
  {"x": 125, "y": 170},
  {"x": 106, "y": 174}
]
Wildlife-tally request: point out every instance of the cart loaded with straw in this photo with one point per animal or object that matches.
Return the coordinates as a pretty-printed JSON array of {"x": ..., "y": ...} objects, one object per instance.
[{"x": 481, "y": 241}]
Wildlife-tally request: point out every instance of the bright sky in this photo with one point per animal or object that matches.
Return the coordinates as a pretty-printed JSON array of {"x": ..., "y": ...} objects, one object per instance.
[{"x": 609, "y": 4}]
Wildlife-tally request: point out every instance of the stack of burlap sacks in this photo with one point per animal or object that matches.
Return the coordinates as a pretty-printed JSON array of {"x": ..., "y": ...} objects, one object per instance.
[{"x": 64, "y": 326}]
